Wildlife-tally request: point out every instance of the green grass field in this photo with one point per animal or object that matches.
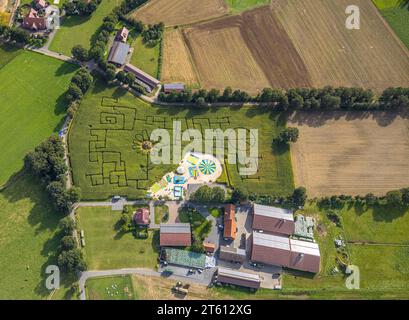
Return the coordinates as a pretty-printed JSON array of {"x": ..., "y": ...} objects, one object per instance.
[
  {"x": 160, "y": 213},
  {"x": 110, "y": 288},
  {"x": 32, "y": 104},
  {"x": 145, "y": 58},
  {"x": 396, "y": 12},
  {"x": 241, "y": 5},
  {"x": 105, "y": 144},
  {"x": 28, "y": 239},
  {"x": 79, "y": 30},
  {"x": 106, "y": 247},
  {"x": 8, "y": 53}
]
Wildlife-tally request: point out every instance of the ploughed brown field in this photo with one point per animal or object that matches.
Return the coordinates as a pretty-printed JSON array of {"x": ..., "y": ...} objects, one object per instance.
[
  {"x": 180, "y": 12},
  {"x": 295, "y": 44},
  {"x": 350, "y": 153},
  {"x": 177, "y": 60}
]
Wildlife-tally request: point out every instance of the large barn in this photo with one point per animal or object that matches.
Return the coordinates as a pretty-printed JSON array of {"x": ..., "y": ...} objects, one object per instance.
[
  {"x": 118, "y": 53},
  {"x": 273, "y": 220},
  {"x": 175, "y": 235},
  {"x": 305, "y": 256},
  {"x": 270, "y": 249}
]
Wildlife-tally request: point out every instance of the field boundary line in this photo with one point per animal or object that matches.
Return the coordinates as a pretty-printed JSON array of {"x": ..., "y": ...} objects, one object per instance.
[{"x": 377, "y": 244}]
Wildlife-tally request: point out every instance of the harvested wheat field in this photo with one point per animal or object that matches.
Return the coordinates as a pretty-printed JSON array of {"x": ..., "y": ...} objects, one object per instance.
[
  {"x": 176, "y": 65},
  {"x": 3, "y": 5},
  {"x": 350, "y": 153},
  {"x": 371, "y": 57},
  {"x": 179, "y": 12},
  {"x": 154, "y": 288},
  {"x": 248, "y": 51}
]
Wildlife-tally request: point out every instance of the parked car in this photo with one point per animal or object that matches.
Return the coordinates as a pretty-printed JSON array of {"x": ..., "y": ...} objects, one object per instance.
[
  {"x": 116, "y": 198},
  {"x": 200, "y": 271}
]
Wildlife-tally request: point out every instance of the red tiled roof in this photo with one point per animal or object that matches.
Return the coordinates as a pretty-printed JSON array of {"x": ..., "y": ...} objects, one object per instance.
[
  {"x": 175, "y": 239},
  {"x": 141, "y": 216},
  {"x": 230, "y": 222},
  {"x": 34, "y": 22},
  {"x": 209, "y": 247}
]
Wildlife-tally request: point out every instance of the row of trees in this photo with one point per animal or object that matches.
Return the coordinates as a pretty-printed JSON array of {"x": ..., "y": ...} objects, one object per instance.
[
  {"x": 47, "y": 163},
  {"x": 81, "y": 7},
  {"x": 394, "y": 198},
  {"x": 70, "y": 258},
  {"x": 327, "y": 98},
  {"x": 80, "y": 83},
  {"x": 152, "y": 35}
]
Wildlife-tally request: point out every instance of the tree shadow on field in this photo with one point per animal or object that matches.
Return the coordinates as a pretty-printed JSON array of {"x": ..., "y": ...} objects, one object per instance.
[
  {"x": 317, "y": 119},
  {"x": 388, "y": 213},
  {"x": 65, "y": 68}
]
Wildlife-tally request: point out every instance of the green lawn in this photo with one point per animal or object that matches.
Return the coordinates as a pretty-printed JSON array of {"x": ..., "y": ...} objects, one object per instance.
[
  {"x": 110, "y": 288},
  {"x": 106, "y": 247},
  {"x": 241, "y": 5},
  {"x": 32, "y": 104},
  {"x": 397, "y": 15},
  {"x": 79, "y": 30},
  {"x": 145, "y": 58},
  {"x": 160, "y": 212},
  {"x": 28, "y": 239},
  {"x": 105, "y": 144},
  {"x": 8, "y": 53}
]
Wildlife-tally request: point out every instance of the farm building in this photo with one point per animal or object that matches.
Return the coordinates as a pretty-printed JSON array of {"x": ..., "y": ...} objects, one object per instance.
[
  {"x": 232, "y": 254},
  {"x": 273, "y": 220},
  {"x": 173, "y": 87},
  {"x": 271, "y": 249},
  {"x": 238, "y": 278},
  {"x": 122, "y": 35},
  {"x": 141, "y": 217},
  {"x": 34, "y": 22},
  {"x": 142, "y": 76},
  {"x": 230, "y": 228},
  {"x": 118, "y": 53},
  {"x": 175, "y": 235},
  {"x": 305, "y": 256}
]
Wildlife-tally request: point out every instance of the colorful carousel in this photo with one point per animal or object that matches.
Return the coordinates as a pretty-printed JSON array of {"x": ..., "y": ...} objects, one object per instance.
[{"x": 207, "y": 167}]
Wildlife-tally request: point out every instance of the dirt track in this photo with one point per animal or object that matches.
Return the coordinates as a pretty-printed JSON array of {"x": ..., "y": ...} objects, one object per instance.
[
  {"x": 350, "y": 154},
  {"x": 180, "y": 12}
]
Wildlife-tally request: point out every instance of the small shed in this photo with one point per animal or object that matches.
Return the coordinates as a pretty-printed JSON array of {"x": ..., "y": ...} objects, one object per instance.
[
  {"x": 173, "y": 87},
  {"x": 209, "y": 247}
]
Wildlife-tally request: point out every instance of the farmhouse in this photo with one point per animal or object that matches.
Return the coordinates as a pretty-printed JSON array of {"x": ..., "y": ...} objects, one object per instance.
[
  {"x": 305, "y": 256},
  {"x": 232, "y": 254},
  {"x": 238, "y": 278},
  {"x": 230, "y": 228},
  {"x": 175, "y": 235},
  {"x": 142, "y": 76},
  {"x": 271, "y": 249},
  {"x": 173, "y": 87},
  {"x": 141, "y": 217},
  {"x": 118, "y": 53},
  {"x": 273, "y": 220},
  {"x": 34, "y": 22},
  {"x": 122, "y": 35}
]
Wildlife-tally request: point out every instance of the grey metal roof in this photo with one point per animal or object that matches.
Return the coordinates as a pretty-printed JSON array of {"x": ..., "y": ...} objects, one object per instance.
[
  {"x": 174, "y": 86},
  {"x": 306, "y": 247},
  {"x": 237, "y": 274},
  {"x": 175, "y": 228},
  {"x": 271, "y": 241},
  {"x": 273, "y": 212},
  {"x": 118, "y": 53},
  {"x": 238, "y": 251}
]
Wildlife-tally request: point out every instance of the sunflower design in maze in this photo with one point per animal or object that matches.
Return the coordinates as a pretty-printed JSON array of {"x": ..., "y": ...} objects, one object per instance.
[{"x": 115, "y": 155}]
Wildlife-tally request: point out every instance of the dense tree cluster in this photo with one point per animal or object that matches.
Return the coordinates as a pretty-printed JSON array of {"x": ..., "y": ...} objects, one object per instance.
[
  {"x": 47, "y": 163},
  {"x": 81, "y": 7},
  {"x": 80, "y": 83},
  {"x": 327, "y": 98},
  {"x": 70, "y": 258},
  {"x": 206, "y": 194},
  {"x": 288, "y": 135},
  {"x": 21, "y": 37},
  {"x": 152, "y": 35}
]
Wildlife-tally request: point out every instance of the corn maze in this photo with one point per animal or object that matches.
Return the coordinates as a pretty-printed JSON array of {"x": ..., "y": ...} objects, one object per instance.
[{"x": 111, "y": 161}]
